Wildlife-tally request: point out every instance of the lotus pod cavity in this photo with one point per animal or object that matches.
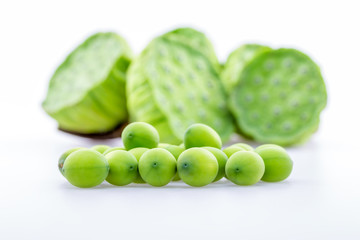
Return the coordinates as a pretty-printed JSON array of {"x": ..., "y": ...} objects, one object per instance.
[
  {"x": 175, "y": 83},
  {"x": 279, "y": 97},
  {"x": 236, "y": 62},
  {"x": 86, "y": 94}
]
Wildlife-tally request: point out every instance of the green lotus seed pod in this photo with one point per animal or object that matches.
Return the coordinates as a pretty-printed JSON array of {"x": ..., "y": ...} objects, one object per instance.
[
  {"x": 233, "y": 149},
  {"x": 245, "y": 146},
  {"x": 175, "y": 151},
  {"x": 140, "y": 134},
  {"x": 201, "y": 135},
  {"x": 112, "y": 149},
  {"x": 100, "y": 148},
  {"x": 245, "y": 168},
  {"x": 86, "y": 94},
  {"x": 221, "y": 159},
  {"x": 278, "y": 164},
  {"x": 138, "y": 152},
  {"x": 236, "y": 62},
  {"x": 197, "y": 167},
  {"x": 279, "y": 97},
  {"x": 85, "y": 168},
  {"x": 123, "y": 167},
  {"x": 63, "y": 158},
  {"x": 157, "y": 167},
  {"x": 195, "y": 40},
  {"x": 174, "y": 83}
]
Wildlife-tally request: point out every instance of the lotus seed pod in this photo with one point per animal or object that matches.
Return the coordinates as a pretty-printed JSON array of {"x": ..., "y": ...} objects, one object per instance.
[
  {"x": 279, "y": 97},
  {"x": 100, "y": 148},
  {"x": 172, "y": 85},
  {"x": 86, "y": 94},
  {"x": 123, "y": 167},
  {"x": 236, "y": 62},
  {"x": 195, "y": 40},
  {"x": 245, "y": 146},
  {"x": 140, "y": 134},
  {"x": 157, "y": 167},
  {"x": 201, "y": 135},
  {"x": 112, "y": 149},
  {"x": 138, "y": 152},
  {"x": 85, "y": 168},
  {"x": 63, "y": 158},
  {"x": 278, "y": 164},
  {"x": 221, "y": 158},
  {"x": 233, "y": 149}
]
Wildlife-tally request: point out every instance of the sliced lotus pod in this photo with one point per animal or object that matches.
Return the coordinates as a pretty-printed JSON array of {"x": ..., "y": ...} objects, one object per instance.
[
  {"x": 86, "y": 94},
  {"x": 172, "y": 85},
  {"x": 236, "y": 62},
  {"x": 279, "y": 97},
  {"x": 195, "y": 40}
]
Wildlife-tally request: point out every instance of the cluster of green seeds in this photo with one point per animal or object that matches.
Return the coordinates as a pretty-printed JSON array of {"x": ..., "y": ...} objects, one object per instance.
[{"x": 199, "y": 161}]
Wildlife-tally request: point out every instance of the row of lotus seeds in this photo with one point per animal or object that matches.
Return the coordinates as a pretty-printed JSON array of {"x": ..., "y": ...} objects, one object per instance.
[{"x": 198, "y": 161}]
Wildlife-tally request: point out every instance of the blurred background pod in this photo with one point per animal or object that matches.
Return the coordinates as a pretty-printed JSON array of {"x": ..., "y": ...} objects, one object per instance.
[
  {"x": 174, "y": 83},
  {"x": 86, "y": 94}
]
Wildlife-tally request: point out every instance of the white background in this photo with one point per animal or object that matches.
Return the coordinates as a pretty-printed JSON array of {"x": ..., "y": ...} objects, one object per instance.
[{"x": 319, "y": 201}]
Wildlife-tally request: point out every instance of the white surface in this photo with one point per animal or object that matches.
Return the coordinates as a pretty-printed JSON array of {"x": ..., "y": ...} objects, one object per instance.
[{"x": 319, "y": 201}]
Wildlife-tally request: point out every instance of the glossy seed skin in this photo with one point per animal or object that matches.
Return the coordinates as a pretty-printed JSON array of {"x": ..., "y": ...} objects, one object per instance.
[
  {"x": 100, "y": 148},
  {"x": 197, "y": 167},
  {"x": 232, "y": 149},
  {"x": 175, "y": 151},
  {"x": 278, "y": 164},
  {"x": 245, "y": 146},
  {"x": 157, "y": 167},
  {"x": 63, "y": 158},
  {"x": 140, "y": 134},
  {"x": 123, "y": 167},
  {"x": 201, "y": 135},
  {"x": 221, "y": 158},
  {"x": 245, "y": 168},
  {"x": 279, "y": 97},
  {"x": 85, "y": 168},
  {"x": 138, "y": 152},
  {"x": 113, "y": 149}
]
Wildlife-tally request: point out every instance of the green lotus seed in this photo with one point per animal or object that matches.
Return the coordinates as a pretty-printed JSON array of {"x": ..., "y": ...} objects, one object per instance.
[
  {"x": 278, "y": 164},
  {"x": 138, "y": 152},
  {"x": 244, "y": 168},
  {"x": 63, "y": 158},
  {"x": 112, "y": 149},
  {"x": 201, "y": 135},
  {"x": 197, "y": 167},
  {"x": 100, "y": 148},
  {"x": 163, "y": 145},
  {"x": 85, "y": 168},
  {"x": 140, "y": 134},
  {"x": 175, "y": 151},
  {"x": 123, "y": 167},
  {"x": 245, "y": 146},
  {"x": 221, "y": 158},
  {"x": 232, "y": 149},
  {"x": 157, "y": 167}
]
